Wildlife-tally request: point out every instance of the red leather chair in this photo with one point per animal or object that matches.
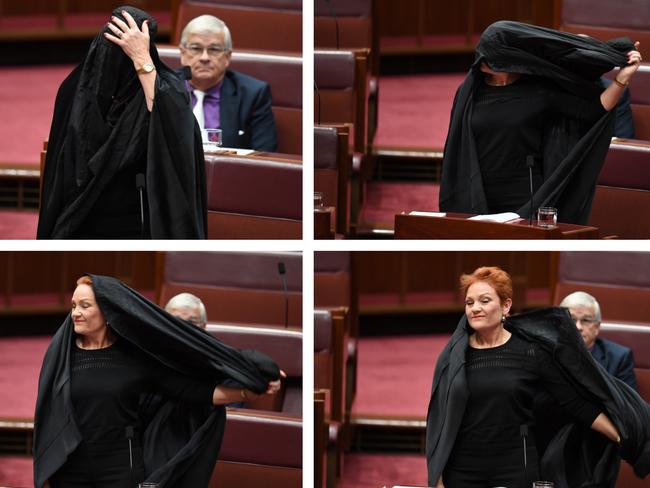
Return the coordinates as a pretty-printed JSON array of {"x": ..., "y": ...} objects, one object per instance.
[{"x": 236, "y": 287}]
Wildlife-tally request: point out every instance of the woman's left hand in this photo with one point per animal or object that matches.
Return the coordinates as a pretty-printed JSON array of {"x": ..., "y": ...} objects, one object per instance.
[
  {"x": 634, "y": 60},
  {"x": 133, "y": 41},
  {"x": 274, "y": 386}
]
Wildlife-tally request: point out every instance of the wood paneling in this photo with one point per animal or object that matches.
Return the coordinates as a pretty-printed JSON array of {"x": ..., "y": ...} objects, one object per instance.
[
  {"x": 41, "y": 7},
  {"x": 402, "y": 272},
  {"x": 55, "y": 272},
  {"x": 444, "y": 17}
]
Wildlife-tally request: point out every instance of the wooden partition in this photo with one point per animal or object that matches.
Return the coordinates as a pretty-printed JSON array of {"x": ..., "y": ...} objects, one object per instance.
[
  {"x": 390, "y": 281},
  {"x": 442, "y": 26},
  {"x": 44, "y": 280}
]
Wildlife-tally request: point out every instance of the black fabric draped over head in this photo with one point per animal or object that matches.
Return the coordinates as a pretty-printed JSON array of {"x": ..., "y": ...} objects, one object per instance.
[
  {"x": 102, "y": 136},
  {"x": 574, "y": 456},
  {"x": 572, "y": 153},
  {"x": 180, "y": 441}
]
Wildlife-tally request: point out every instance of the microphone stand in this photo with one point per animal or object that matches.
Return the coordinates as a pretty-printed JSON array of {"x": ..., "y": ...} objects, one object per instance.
[
  {"x": 282, "y": 270},
  {"x": 139, "y": 184},
  {"x": 530, "y": 162}
]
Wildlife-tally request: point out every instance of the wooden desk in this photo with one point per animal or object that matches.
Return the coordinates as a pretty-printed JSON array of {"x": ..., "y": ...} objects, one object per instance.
[
  {"x": 324, "y": 219},
  {"x": 456, "y": 226}
]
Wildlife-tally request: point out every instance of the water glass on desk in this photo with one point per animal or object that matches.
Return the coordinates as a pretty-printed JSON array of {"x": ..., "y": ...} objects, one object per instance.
[
  {"x": 211, "y": 140},
  {"x": 318, "y": 200},
  {"x": 547, "y": 217}
]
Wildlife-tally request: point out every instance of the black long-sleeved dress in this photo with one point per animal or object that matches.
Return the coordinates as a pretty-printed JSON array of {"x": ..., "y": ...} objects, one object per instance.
[
  {"x": 509, "y": 123},
  {"x": 503, "y": 383},
  {"x": 106, "y": 386}
]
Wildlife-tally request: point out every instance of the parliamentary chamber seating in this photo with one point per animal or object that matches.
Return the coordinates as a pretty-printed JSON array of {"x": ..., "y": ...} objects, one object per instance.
[
  {"x": 245, "y": 302},
  {"x": 332, "y": 170}
]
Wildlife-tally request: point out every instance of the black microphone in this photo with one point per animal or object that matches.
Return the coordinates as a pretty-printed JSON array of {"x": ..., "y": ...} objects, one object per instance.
[
  {"x": 139, "y": 184},
  {"x": 530, "y": 162},
  {"x": 283, "y": 276},
  {"x": 317, "y": 103},
  {"x": 336, "y": 21}
]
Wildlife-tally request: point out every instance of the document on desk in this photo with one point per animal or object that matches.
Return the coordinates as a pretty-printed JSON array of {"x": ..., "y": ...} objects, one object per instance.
[
  {"x": 417, "y": 213},
  {"x": 500, "y": 217}
]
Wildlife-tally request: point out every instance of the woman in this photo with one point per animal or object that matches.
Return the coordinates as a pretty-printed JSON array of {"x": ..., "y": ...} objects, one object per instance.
[
  {"x": 488, "y": 385},
  {"x": 124, "y": 157},
  {"x": 533, "y": 101},
  {"x": 128, "y": 393}
]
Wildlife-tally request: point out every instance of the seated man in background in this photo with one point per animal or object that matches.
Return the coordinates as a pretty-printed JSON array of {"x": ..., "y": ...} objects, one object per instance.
[
  {"x": 238, "y": 104},
  {"x": 616, "y": 359},
  {"x": 191, "y": 309}
]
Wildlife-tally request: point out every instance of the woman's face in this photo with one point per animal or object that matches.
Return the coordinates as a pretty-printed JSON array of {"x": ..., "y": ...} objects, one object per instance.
[
  {"x": 483, "y": 306},
  {"x": 486, "y": 69},
  {"x": 88, "y": 318}
]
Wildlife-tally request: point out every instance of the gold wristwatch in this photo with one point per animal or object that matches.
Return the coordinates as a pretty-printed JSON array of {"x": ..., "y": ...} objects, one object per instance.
[{"x": 146, "y": 68}]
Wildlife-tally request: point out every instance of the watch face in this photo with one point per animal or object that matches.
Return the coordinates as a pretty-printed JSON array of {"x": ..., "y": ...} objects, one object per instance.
[{"x": 148, "y": 68}]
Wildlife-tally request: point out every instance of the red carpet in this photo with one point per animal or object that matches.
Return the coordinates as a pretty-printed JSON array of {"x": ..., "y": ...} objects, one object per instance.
[
  {"x": 27, "y": 118},
  {"x": 394, "y": 375},
  {"x": 377, "y": 470},
  {"x": 20, "y": 363},
  {"x": 18, "y": 224},
  {"x": 384, "y": 200},
  {"x": 414, "y": 110},
  {"x": 16, "y": 471}
]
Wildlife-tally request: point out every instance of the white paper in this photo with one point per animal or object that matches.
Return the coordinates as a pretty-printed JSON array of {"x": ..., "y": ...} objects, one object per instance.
[
  {"x": 500, "y": 217},
  {"x": 427, "y": 214}
]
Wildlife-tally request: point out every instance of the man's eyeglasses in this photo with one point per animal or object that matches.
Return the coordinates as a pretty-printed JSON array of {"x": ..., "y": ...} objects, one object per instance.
[
  {"x": 197, "y": 50},
  {"x": 588, "y": 321}
]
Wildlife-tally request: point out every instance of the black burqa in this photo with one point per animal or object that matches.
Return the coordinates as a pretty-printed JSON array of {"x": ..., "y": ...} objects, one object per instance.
[
  {"x": 102, "y": 136},
  {"x": 573, "y": 457},
  {"x": 573, "y": 154},
  {"x": 180, "y": 441}
]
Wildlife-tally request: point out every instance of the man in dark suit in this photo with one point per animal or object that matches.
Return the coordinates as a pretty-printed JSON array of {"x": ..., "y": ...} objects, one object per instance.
[
  {"x": 616, "y": 359},
  {"x": 238, "y": 104}
]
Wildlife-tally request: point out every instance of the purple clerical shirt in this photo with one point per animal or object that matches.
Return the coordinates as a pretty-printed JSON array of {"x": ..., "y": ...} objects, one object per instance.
[{"x": 210, "y": 105}]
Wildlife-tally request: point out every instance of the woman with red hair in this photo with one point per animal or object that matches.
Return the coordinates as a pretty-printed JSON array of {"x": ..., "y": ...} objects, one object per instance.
[{"x": 482, "y": 419}]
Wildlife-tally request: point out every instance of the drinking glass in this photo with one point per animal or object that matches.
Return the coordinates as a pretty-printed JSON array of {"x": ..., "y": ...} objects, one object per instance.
[
  {"x": 211, "y": 139},
  {"x": 318, "y": 200},
  {"x": 547, "y": 217}
]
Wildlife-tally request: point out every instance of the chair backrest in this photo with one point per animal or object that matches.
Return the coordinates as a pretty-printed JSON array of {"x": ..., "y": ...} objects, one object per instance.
[
  {"x": 333, "y": 170},
  {"x": 637, "y": 338},
  {"x": 618, "y": 280},
  {"x": 341, "y": 79},
  {"x": 257, "y": 25},
  {"x": 260, "y": 449},
  {"x": 283, "y": 73},
  {"x": 347, "y": 24},
  {"x": 330, "y": 357},
  {"x": 607, "y": 20},
  {"x": 284, "y": 346},
  {"x": 623, "y": 189},
  {"x": 236, "y": 287},
  {"x": 332, "y": 279},
  {"x": 251, "y": 198}
]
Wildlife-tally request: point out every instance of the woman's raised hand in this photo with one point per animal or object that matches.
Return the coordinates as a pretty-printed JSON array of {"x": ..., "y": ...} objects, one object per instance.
[{"x": 133, "y": 41}]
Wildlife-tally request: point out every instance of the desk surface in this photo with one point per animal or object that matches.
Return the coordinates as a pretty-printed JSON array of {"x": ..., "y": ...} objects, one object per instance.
[{"x": 456, "y": 226}]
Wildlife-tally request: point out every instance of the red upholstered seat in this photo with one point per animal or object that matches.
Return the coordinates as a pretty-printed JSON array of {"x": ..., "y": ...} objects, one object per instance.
[
  {"x": 236, "y": 287},
  {"x": 623, "y": 190},
  {"x": 618, "y": 280},
  {"x": 260, "y": 449},
  {"x": 332, "y": 170},
  {"x": 284, "y": 346},
  {"x": 258, "y": 25},
  {"x": 251, "y": 198}
]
